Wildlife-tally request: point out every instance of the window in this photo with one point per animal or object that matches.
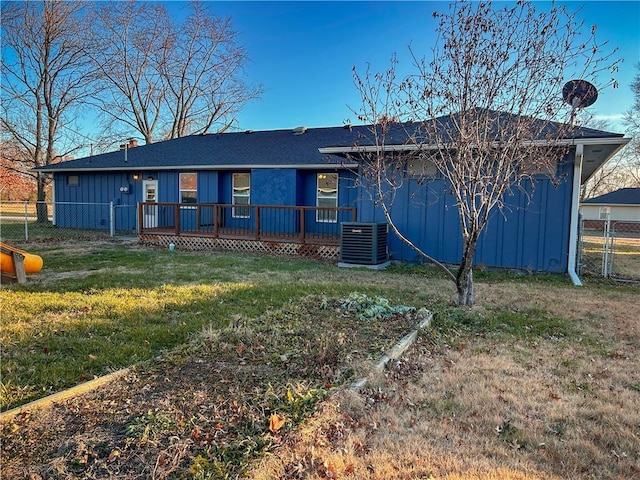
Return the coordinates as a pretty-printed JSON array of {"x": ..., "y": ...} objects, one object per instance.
[
  {"x": 73, "y": 181},
  {"x": 604, "y": 212},
  {"x": 548, "y": 170},
  {"x": 188, "y": 187},
  {"x": 327, "y": 198},
  {"x": 241, "y": 195},
  {"x": 421, "y": 167}
]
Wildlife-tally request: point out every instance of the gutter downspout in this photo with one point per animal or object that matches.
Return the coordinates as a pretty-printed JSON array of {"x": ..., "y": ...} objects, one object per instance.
[{"x": 575, "y": 214}]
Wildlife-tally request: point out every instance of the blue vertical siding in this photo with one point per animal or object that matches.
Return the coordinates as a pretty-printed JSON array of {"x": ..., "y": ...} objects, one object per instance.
[
  {"x": 96, "y": 191},
  {"x": 531, "y": 233},
  {"x": 208, "y": 191},
  {"x": 274, "y": 186}
]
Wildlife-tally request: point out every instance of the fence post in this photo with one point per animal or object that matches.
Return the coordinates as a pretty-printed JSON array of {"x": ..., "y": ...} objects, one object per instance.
[
  {"x": 580, "y": 242},
  {"x": 607, "y": 240},
  {"x": 26, "y": 220},
  {"x": 112, "y": 216}
]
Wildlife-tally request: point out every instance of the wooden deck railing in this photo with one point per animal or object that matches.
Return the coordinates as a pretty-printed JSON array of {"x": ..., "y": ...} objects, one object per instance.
[{"x": 274, "y": 223}]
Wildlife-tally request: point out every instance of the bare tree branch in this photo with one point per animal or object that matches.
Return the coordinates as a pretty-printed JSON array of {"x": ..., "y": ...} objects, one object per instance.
[
  {"x": 44, "y": 81},
  {"x": 492, "y": 85},
  {"x": 166, "y": 79}
]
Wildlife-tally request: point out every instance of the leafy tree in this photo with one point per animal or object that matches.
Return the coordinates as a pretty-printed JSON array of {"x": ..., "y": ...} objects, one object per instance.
[
  {"x": 478, "y": 109},
  {"x": 14, "y": 183},
  {"x": 44, "y": 78}
]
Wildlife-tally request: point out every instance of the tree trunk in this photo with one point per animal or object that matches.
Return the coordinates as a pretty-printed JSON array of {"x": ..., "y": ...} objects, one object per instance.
[
  {"x": 41, "y": 204},
  {"x": 464, "y": 285},
  {"x": 464, "y": 276}
]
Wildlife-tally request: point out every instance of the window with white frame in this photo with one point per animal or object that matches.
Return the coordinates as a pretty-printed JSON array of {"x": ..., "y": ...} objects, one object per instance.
[
  {"x": 188, "y": 187},
  {"x": 241, "y": 195},
  {"x": 327, "y": 198},
  {"x": 605, "y": 212}
]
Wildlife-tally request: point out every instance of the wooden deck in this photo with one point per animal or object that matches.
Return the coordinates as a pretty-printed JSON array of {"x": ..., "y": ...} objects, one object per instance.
[{"x": 260, "y": 223}]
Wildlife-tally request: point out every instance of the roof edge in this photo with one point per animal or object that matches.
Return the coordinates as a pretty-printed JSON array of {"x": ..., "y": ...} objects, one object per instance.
[
  {"x": 317, "y": 166},
  {"x": 617, "y": 140}
]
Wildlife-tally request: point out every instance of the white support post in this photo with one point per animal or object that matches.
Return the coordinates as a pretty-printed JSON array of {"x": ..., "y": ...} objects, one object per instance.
[{"x": 575, "y": 215}]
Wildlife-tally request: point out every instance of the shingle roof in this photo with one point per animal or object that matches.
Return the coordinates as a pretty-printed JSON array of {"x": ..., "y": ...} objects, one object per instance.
[
  {"x": 623, "y": 196},
  {"x": 270, "y": 148},
  {"x": 498, "y": 123}
]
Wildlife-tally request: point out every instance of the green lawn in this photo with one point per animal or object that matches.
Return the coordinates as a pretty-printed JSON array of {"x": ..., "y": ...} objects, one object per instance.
[
  {"x": 98, "y": 307},
  {"x": 231, "y": 348}
]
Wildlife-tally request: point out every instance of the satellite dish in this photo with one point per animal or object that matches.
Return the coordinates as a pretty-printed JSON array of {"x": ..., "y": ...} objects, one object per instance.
[{"x": 579, "y": 93}]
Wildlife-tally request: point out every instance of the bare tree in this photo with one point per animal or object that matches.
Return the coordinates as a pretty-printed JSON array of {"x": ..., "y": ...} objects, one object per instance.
[
  {"x": 484, "y": 110},
  {"x": 44, "y": 81},
  {"x": 165, "y": 78},
  {"x": 133, "y": 38},
  {"x": 203, "y": 75},
  {"x": 632, "y": 122},
  {"x": 632, "y": 116}
]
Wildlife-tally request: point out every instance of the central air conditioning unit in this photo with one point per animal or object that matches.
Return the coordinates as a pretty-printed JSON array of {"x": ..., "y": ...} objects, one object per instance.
[{"x": 363, "y": 245}]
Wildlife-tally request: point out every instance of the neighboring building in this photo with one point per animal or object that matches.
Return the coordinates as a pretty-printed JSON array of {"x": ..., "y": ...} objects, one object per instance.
[
  {"x": 298, "y": 186},
  {"x": 623, "y": 205}
]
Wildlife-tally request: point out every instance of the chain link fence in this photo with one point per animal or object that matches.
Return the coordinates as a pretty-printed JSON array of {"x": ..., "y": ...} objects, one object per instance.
[
  {"x": 23, "y": 221},
  {"x": 610, "y": 249}
]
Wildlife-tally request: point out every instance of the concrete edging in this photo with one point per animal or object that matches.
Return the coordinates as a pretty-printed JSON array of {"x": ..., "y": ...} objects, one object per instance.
[
  {"x": 63, "y": 395},
  {"x": 396, "y": 351}
]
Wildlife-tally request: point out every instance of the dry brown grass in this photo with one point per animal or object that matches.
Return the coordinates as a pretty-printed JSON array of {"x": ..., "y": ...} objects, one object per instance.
[
  {"x": 472, "y": 406},
  {"x": 468, "y": 401}
]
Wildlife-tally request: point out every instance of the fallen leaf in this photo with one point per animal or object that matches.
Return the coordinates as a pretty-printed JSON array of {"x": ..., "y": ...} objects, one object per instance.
[
  {"x": 331, "y": 471},
  {"x": 276, "y": 422}
]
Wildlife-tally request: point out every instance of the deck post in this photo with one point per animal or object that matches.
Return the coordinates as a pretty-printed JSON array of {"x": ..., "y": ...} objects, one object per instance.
[
  {"x": 257, "y": 232},
  {"x": 303, "y": 233},
  {"x": 216, "y": 220},
  {"x": 177, "y": 217}
]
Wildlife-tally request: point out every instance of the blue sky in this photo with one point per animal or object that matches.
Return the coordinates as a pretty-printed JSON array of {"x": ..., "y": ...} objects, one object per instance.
[{"x": 302, "y": 53}]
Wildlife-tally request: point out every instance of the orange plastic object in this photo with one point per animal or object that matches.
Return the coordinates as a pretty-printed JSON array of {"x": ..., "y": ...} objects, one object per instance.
[{"x": 32, "y": 263}]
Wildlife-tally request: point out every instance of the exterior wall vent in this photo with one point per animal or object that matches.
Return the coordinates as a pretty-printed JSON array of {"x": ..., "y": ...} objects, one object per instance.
[{"x": 363, "y": 245}]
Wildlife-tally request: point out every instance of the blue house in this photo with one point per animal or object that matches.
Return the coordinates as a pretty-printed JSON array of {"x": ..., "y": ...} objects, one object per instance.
[{"x": 289, "y": 191}]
